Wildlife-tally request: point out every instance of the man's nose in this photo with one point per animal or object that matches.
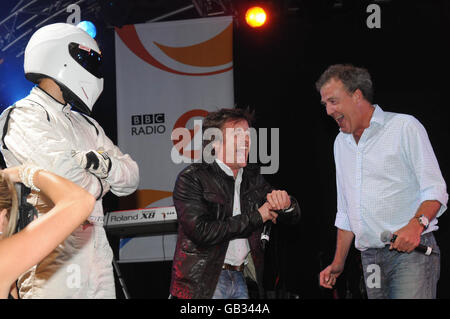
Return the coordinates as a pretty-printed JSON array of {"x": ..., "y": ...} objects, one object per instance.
[{"x": 330, "y": 109}]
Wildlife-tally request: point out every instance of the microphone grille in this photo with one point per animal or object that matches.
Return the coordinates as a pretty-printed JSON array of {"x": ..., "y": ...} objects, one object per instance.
[{"x": 385, "y": 236}]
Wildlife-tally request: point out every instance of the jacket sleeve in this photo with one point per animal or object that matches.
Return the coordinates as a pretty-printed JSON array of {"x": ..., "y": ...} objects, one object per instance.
[
  {"x": 199, "y": 223},
  {"x": 124, "y": 175},
  {"x": 32, "y": 139}
]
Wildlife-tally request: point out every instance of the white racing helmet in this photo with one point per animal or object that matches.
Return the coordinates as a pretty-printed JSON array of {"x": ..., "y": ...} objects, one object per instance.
[{"x": 69, "y": 56}]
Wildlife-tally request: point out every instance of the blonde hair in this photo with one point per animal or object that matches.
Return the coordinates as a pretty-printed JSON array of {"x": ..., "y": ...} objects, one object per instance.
[{"x": 9, "y": 201}]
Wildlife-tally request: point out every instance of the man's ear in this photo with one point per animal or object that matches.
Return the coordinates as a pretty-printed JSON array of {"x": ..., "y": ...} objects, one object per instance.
[
  {"x": 358, "y": 95},
  {"x": 217, "y": 144}
]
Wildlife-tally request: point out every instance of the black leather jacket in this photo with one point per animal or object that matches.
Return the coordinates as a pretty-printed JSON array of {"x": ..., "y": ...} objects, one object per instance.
[{"x": 203, "y": 198}]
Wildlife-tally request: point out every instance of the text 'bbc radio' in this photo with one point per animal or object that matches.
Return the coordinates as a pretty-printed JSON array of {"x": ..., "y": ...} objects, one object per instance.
[{"x": 148, "y": 124}]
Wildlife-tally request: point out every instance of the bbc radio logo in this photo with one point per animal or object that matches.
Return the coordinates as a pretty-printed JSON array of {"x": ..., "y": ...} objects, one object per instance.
[{"x": 148, "y": 124}]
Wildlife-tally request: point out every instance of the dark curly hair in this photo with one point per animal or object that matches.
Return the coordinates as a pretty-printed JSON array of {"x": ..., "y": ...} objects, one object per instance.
[{"x": 219, "y": 118}]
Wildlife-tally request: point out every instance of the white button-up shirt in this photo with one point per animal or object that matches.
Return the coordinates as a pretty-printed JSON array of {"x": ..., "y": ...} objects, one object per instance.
[
  {"x": 239, "y": 248},
  {"x": 382, "y": 180}
]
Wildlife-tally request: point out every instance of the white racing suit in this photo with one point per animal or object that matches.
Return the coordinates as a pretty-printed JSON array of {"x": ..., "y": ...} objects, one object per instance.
[{"x": 44, "y": 132}]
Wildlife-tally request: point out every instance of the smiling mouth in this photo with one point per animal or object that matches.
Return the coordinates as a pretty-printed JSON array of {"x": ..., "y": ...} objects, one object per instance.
[
  {"x": 241, "y": 154},
  {"x": 242, "y": 151},
  {"x": 339, "y": 119}
]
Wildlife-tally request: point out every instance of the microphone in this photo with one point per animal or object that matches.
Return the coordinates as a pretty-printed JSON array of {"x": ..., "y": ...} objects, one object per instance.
[
  {"x": 387, "y": 237},
  {"x": 265, "y": 235}
]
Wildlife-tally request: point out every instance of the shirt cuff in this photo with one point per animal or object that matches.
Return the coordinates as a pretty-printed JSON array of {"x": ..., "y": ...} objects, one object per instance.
[
  {"x": 436, "y": 193},
  {"x": 342, "y": 221}
]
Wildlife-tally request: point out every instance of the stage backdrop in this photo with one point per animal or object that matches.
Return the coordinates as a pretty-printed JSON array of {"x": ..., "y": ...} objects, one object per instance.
[{"x": 169, "y": 74}]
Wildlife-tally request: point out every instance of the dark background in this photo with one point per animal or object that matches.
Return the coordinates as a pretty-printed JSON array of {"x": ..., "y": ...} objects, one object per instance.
[{"x": 275, "y": 69}]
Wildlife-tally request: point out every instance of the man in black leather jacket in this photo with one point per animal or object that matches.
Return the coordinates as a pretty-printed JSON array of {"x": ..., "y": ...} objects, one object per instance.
[{"x": 221, "y": 209}]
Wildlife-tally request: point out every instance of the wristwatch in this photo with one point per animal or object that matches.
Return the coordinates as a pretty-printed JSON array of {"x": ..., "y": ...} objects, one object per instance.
[{"x": 423, "y": 220}]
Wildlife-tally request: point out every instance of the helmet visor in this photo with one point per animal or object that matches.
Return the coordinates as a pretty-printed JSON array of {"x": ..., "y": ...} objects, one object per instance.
[{"x": 87, "y": 58}]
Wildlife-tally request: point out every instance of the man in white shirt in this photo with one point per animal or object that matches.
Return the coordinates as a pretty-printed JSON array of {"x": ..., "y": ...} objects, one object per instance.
[{"x": 388, "y": 182}]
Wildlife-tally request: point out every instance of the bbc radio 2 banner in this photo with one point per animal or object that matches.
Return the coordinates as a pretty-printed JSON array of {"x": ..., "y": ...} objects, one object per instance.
[{"x": 169, "y": 75}]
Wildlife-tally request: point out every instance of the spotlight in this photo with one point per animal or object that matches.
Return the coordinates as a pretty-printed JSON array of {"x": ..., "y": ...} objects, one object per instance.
[
  {"x": 89, "y": 27},
  {"x": 255, "y": 17}
]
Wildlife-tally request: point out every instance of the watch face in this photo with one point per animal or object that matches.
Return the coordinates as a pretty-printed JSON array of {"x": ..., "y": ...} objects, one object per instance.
[{"x": 424, "y": 221}]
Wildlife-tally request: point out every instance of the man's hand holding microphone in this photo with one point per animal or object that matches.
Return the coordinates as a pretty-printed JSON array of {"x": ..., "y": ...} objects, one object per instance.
[{"x": 277, "y": 200}]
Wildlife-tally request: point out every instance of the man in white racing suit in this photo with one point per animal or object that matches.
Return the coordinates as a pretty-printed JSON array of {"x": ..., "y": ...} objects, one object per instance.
[{"x": 42, "y": 129}]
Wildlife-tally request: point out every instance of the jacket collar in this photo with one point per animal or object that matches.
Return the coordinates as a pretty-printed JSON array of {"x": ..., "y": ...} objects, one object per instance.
[
  {"x": 50, "y": 101},
  {"x": 228, "y": 170},
  {"x": 219, "y": 171}
]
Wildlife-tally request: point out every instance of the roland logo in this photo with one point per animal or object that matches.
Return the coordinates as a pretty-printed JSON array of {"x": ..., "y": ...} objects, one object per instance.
[{"x": 121, "y": 219}]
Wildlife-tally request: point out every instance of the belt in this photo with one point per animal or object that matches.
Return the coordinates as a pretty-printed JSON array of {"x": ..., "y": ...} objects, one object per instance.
[{"x": 233, "y": 268}]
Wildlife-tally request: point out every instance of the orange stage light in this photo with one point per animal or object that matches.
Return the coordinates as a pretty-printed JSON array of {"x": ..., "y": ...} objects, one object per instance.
[{"x": 255, "y": 17}]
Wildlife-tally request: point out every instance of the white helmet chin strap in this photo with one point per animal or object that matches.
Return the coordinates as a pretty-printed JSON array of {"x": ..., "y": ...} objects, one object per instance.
[{"x": 73, "y": 100}]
